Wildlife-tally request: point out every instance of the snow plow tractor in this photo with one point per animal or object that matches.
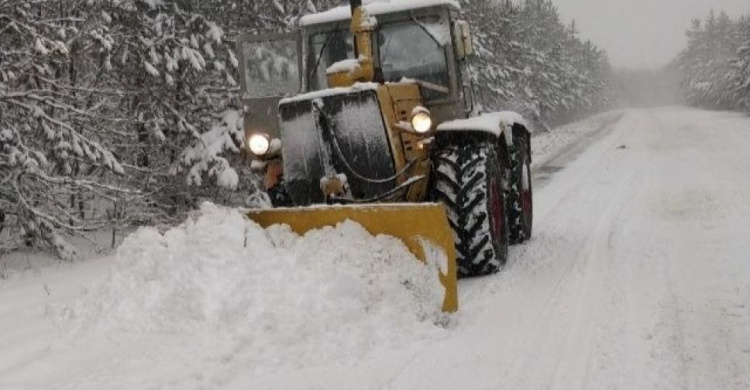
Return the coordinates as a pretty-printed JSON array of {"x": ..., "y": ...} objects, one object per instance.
[{"x": 367, "y": 113}]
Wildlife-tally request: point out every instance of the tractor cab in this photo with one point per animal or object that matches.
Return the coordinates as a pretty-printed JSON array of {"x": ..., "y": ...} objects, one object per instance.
[
  {"x": 413, "y": 44},
  {"x": 419, "y": 42}
]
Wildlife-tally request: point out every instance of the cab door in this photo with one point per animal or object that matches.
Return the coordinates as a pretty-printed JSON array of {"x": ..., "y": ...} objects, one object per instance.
[{"x": 269, "y": 68}]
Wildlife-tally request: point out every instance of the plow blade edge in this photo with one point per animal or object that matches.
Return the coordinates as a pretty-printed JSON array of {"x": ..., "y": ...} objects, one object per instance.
[{"x": 421, "y": 227}]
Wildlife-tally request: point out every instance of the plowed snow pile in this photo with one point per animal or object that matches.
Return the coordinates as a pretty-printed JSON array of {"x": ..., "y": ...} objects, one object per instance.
[{"x": 221, "y": 277}]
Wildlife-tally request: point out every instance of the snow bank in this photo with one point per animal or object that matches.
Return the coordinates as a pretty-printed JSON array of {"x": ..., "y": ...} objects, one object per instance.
[
  {"x": 548, "y": 145},
  {"x": 221, "y": 275}
]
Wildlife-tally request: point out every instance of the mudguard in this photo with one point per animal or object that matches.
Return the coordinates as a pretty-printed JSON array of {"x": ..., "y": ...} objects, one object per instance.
[{"x": 499, "y": 124}]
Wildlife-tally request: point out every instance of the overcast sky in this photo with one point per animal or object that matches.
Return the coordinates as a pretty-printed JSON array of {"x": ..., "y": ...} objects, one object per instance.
[{"x": 642, "y": 33}]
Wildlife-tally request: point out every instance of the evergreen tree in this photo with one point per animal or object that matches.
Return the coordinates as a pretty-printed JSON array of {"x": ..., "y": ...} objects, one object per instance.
[
  {"x": 714, "y": 65},
  {"x": 54, "y": 145},
  {"x": 742, "y": 65},
  {"x": 529, "y": 61}
]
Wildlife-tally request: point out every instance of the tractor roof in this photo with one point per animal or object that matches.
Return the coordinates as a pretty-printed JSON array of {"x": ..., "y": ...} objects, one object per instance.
[{"x": 374, "y": 8}]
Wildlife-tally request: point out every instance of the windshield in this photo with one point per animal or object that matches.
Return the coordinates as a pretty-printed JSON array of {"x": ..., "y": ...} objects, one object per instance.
[
  {"x": 415, "y": 50},
  {"x": 270, "y": 68},
  {"x": 327, "y": 49}
]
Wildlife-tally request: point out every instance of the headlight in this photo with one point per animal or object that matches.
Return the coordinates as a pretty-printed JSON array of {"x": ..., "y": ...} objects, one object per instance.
[
  {"x": 259, "y": 144},
  {"x": 421, "y": 121}
]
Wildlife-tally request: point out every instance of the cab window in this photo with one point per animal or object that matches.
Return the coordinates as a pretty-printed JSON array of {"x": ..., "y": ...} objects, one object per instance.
[
  {"x": 327, "y": 49},
  {"x": 415, "y": 50},
  {"x": 270, "y": 68}
]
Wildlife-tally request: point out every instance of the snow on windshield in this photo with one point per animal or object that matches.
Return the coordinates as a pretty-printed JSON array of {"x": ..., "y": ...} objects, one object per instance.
[{"x": 271, "y": 68}]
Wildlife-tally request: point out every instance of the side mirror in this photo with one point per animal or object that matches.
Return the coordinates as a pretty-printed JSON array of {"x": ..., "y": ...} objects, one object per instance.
[{"x": 462, "y": 38}]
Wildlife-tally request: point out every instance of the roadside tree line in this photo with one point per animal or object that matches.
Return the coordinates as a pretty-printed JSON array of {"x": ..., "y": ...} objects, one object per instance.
[
  {"x": 117, "y": 113},
  {"x": 715, "y": 66},
  {"x": 532, "y": 62}
]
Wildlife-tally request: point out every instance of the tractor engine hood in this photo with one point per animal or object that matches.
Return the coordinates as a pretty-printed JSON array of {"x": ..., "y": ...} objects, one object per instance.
[{"x": 332, "y": 132}]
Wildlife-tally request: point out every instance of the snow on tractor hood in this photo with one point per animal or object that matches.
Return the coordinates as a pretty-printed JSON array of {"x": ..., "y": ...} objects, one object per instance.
[
  {"x": 496, "y": 123},
  {"x": 330, "y": 92},
  {"x": 374, "y": 8}
]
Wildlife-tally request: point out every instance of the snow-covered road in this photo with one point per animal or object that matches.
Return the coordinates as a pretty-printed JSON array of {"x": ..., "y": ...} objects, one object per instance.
[{"x": 638, "y": 277}]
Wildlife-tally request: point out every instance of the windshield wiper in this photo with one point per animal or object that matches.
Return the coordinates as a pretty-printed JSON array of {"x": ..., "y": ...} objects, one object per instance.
[
  {"x": 320, "y": 56},
  {"x": 428, "y": 31}
]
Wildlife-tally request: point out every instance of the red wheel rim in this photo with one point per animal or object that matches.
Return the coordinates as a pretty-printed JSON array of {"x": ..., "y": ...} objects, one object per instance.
[
  {"x": 526, "y": 200},
  {"x": 498, "y": 210}
]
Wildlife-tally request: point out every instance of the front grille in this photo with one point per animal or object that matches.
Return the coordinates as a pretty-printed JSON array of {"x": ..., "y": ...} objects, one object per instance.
[{"x": 308, "y": 130}]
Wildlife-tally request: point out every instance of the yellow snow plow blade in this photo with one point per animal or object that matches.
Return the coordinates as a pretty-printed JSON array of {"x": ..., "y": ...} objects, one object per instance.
[{"x": 411, "y": 223}]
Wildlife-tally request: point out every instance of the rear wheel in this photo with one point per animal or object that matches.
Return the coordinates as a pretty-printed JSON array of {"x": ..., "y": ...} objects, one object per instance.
[
  {"x": 520, "y": 201},
  {"x": 469, "y": 180}
]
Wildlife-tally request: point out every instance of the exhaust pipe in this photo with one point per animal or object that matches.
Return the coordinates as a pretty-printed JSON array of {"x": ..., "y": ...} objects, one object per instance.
[
  {"x": 361, "y": 27},
  {"x": 355, "y": 4}
]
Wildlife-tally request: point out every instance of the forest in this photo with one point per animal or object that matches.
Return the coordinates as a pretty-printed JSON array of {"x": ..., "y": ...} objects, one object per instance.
[
  {"x": 715, "y": 66},
  {"x": 123, "y": 113}
]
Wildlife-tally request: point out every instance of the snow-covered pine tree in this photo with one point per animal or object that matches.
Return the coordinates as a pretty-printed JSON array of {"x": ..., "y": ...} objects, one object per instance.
[
  {"x": 253, "y": 16},
  {"x": 494, "y": 29},
  {"x": 54, "y": 147},
  {"x": 742, "y": 65},
  {"x": 529, "y": 61},
  {"x": 714, "y": 64},
  {"x": 178, "y": 64},
  {"x": 177, "y": 77}
]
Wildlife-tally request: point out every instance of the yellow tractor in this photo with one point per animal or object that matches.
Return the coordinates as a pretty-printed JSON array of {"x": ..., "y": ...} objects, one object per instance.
[{"x": 367, "y": 113}]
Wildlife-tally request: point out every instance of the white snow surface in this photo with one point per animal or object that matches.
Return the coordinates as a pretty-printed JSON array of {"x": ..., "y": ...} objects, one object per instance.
[
  {"x": 637, "y": 277},
  {"x": 373, "y": 8},
  {"x": 496, "y": 123},
  {"x": 347, "y": 65},
  {"x": 575, "y": 137},
  {"x": 331, "y": 92},
  {"x": 220, "y": 271},
  {"x": 221, "y": 291}
]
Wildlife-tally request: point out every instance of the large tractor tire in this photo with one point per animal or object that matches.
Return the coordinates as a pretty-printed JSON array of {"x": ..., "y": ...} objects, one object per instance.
[
  {"x": 520, "y": 193},
  {"x": 469, "y": 180}
]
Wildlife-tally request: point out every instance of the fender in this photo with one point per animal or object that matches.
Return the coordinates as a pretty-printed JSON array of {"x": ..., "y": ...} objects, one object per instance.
[{"x": 497, "y": 124}]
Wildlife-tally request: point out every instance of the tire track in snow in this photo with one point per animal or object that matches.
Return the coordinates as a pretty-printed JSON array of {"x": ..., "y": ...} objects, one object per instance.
[
  {"x": 705, "y": 278},
  {"x": 478, "y": 300},
  {"x": 477, "y": 294},
  {"x": 598, "y": 256},
  {"x": 543, "y": 172},
  {"x": 580, "y": 287}
]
